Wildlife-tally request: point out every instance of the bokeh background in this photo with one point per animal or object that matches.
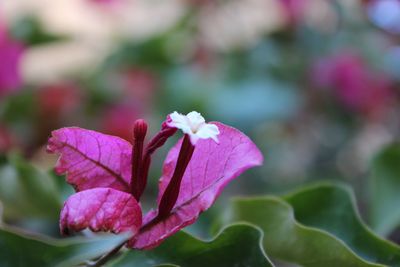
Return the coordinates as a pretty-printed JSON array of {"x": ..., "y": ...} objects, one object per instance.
[{"x": 315, "y": 83}]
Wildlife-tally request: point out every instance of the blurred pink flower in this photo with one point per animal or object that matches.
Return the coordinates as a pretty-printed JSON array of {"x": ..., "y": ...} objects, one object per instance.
[
  {"x": 293, "y": 10},
  {"x": 58, "y": 98},
  {"x": 355, "y": 85},
  {"x": 140, "y": 85},
  {"x": 117, "y": 120},
  {"x": 110, "y": 175},
  {"x": 7, "y": 140},
  {"x": 104, "y": 1},
  {"x": 109, "y": 6},
  {"x": 11, "y": 52}
]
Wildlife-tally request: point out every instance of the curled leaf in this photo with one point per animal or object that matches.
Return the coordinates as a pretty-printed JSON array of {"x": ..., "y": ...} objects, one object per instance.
[
  {"x": 332, "y": 208},
  {"x": 384, "y": 187},
  {"x": 236, "y": 245},
  {"x": 316, "y": 226},
  {"x": 43, "y": 251}
]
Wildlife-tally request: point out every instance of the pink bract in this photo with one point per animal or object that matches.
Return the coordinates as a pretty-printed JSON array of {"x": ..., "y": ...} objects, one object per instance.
[
  {"x": 91, "y": 159},
  {"x": 101, "y": 209},
  {"x": 100, "y": 167},
  {"x": 210, "y": 169},
  {"x": 11, "y": 52}
]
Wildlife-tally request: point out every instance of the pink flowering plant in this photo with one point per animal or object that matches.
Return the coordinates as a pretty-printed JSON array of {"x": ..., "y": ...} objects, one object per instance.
[
  {"x": 11, "y": 52},
  {"x": 110, "y": 176}
]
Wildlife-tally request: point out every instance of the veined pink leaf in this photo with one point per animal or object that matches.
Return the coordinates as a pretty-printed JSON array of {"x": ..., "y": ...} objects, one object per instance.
[
  {"x": 212, "y": 166},
  {"x": 101, "y": 209},
  {"x": 91, "y": 159}
]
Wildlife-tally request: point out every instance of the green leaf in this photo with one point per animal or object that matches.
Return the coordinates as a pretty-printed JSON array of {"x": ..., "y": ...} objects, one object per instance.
[
  {"x": 237, "y": 245},
  {"x": 333, "y": 208},
  {"x": 287, "y": 239},
  {"x": 27, "y": 192},
  {"x": 20, "y": 250},
  {"x": 384, "y": 188}
]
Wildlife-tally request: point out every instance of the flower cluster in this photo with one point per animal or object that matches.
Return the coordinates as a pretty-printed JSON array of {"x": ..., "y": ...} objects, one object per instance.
[{"x": 110, "y": 176}]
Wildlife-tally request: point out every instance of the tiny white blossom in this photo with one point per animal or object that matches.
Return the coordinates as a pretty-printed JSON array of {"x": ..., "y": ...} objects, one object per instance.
[{"x": 194, "y": 125}]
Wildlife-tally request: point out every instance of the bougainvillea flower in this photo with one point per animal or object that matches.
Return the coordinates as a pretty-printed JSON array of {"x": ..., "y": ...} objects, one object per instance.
[
  {"x": 103, "y": 1},
  {"x": 59, "y": 98},
  {"x": 116, "y": 120},
  {"x": 294, "y": 10},
  {"x": 139, "y": 84},
  {"x": 11, "y": 52},
  {"x": 354, "y": 84},
  {"x": 110, "y": 175}
]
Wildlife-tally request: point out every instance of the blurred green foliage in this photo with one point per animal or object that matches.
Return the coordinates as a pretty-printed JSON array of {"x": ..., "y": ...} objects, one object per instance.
[{"x": 320, "y": 98}]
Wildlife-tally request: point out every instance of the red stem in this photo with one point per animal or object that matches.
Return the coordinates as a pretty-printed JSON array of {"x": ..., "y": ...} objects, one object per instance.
[
  {"x": 139, "y": 134},
  {"x": 171, "y": 193},
  {"x": 158, "y": 141}
]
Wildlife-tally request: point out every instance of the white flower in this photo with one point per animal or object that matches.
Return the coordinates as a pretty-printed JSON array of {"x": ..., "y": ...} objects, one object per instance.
[{"x": 194, "y": 125}]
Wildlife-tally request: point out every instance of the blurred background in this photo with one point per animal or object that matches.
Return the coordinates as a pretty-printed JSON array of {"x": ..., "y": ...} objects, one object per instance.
[{"x": 315, "y": 83}]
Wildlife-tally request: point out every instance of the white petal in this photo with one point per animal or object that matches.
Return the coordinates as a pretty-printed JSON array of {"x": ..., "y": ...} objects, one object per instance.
[
  {"x": 195, "y": 119},
  {"x": 177, "y": 118},
  {"x": 208, "y": 131},
  {"x": 194, "y": 125},
  {"x": 179, "y": 121}
]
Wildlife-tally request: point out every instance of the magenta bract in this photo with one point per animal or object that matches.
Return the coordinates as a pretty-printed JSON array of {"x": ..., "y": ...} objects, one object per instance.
[
  {"x": 210, "y": 169},
  {"x": 91, "y": 159},
  {"x": 101, "y": 209},
  {"x": 11, "y": 52},
  {"x": 100, "y": 166}
]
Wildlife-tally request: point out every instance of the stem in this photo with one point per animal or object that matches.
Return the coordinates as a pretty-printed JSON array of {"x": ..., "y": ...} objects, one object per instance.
[
  {"x": 108, "y": 256},
  {"x": 112, "y": 253},
  {"x": 158, "y": 141},
  {"x": 139, "y": 134},
  {"x": 171, "y": 193}
]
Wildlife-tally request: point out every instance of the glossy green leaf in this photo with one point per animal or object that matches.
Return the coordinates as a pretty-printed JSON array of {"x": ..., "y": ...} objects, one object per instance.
[
  {"x": 333, "y": 208},
  {"x": 20, "y": 250},
  {"x": 237, "y": 245},
  {"x": 27, "y": 192},
  {"x": 288, "y": 240},
  {"x": 385, "y": 188}
]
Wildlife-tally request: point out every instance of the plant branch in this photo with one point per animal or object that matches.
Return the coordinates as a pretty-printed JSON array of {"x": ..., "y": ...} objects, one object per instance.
[{"x": 108, "y": 256}]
